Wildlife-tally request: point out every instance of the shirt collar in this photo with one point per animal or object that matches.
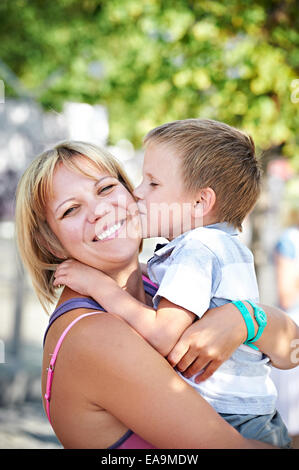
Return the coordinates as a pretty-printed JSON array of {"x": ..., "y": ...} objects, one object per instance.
[
  {"x": 225, "y": 227},
  {"x": 162, "y": 248}
]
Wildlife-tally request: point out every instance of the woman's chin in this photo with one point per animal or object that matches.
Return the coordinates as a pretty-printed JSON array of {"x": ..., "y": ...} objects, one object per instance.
[
  {"x": 119, "y": 250},
  {"x": 126, "y": 251}
]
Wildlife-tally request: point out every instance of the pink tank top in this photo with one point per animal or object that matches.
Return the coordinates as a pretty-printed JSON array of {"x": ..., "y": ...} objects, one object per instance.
[{"x": 130, "y": 440}]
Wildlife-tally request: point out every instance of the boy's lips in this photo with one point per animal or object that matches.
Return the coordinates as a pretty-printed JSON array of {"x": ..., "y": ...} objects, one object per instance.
[{"x": 142, "y": 208}]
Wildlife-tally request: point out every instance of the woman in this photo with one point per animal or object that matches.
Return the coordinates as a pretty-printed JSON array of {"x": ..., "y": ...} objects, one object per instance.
[{"x": 108, "y": 384}]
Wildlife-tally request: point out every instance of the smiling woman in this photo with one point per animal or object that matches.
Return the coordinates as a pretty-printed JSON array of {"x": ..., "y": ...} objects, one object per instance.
[
  {"x": 47, "y": 201},
  {"x": 85, "y": 211},
  {"x": 106, "y": 387}
]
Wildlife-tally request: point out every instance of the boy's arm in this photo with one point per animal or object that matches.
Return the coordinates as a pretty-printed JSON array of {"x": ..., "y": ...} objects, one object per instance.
[{"x": 162, "y": 328}]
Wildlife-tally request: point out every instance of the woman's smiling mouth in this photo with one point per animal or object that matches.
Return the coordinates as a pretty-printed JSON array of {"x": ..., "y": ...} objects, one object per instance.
[{"x": 109, "y": 233}]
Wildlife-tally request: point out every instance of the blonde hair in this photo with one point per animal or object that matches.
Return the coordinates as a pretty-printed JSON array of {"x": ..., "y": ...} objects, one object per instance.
[
  {"x": 36, "y": 241},
  {"x": 215, "y": 155}
]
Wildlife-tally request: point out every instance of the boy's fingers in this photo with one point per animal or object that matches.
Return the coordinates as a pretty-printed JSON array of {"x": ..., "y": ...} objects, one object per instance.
[
  {"x": 177, "y": 353},
  {"x": 59, "y": 280},
  {"x": 56, "y": 282},
  {"x": 65, "y": 263},
  {"x": 196, "y": 367},
  {"x": 187, "y": 361},
  {"x": 209, "y": 371},
  {"x": 63, "y": 267},
  {"x": 58, "y": 274}
]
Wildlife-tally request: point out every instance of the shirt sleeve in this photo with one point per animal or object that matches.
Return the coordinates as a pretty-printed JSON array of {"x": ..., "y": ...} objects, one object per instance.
[{"x": 191, "y": 278}]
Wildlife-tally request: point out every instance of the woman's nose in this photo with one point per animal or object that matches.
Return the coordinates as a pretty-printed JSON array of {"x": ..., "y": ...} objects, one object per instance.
[
  {"x": 92, "y": 216},
  {"x": 98, "y": 210}
]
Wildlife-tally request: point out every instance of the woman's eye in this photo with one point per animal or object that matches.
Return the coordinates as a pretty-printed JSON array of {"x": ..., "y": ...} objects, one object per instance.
[
  {"x": 153, "y": 184},
  {"x": 105, "y": 188},
  {"x": 68, "y": 211}
]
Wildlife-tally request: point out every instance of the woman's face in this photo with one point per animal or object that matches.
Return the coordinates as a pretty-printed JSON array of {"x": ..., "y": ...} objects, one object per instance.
[{"x": 95, "y": 219}]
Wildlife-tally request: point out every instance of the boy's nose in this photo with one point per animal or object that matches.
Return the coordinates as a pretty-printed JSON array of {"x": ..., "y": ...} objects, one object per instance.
[{"x": 138, "y": 192}]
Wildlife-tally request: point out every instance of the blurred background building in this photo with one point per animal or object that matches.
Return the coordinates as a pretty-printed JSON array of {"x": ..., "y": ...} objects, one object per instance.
[{"x": 108, "y": 72}]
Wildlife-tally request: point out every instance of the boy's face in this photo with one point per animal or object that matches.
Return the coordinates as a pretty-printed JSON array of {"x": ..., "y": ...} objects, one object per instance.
[{"x": 165, "y": 207}]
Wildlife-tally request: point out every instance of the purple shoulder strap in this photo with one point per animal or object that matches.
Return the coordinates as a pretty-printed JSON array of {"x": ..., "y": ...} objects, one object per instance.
[
  {"x": 71, "y": 304},
  {"x": 84, "y": 302}
]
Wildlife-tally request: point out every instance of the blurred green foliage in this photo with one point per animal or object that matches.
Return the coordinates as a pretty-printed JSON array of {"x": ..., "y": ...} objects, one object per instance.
[{"x": 153, "y": 61}]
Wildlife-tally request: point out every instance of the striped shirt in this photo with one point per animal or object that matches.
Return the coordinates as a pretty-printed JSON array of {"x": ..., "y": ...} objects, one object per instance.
[{"x": 208, "y": 267}]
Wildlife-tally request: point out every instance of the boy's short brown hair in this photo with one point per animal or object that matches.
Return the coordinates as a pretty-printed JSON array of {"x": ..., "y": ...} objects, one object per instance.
[{"x": 218, "y": 156}]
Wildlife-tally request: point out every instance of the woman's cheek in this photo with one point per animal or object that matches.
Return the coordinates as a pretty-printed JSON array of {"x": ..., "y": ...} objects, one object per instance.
[{"x": 71, "y": 236}]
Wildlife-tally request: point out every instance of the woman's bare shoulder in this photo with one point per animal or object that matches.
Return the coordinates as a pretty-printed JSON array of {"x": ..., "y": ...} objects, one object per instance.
[
  {"x": 104, "y": 331},
  {"x": 94, "y": 331}
]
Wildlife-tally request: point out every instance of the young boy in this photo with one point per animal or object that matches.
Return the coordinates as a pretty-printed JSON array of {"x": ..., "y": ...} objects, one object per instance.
[{"x": 200, "y": 179}]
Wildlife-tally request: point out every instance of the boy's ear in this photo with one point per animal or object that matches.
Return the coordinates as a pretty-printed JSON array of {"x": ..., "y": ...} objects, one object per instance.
[{"x": 204, "y": 203}]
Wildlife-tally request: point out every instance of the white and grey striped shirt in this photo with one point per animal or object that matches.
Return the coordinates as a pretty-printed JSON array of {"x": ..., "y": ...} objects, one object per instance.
[{"x": 208, "y": 267}]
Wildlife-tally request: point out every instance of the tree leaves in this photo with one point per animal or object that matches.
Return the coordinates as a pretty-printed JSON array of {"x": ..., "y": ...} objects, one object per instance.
[{"x": 151, "y": 61}]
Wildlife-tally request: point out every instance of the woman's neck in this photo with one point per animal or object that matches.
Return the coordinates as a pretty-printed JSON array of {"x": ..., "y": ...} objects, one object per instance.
[{"x": 130, "y": 279}]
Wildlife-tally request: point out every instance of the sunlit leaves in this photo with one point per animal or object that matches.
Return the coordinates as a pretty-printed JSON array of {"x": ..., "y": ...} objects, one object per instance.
[{"x": 151, "y": 61}]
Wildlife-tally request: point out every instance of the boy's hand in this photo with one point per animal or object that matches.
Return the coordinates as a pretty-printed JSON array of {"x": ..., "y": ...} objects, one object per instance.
[
  {"x": 78, "y": 276},
  {"x": 208, "y": 342}
]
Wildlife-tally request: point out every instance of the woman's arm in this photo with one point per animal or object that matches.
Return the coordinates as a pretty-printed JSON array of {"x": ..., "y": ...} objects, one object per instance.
[
  {"x": 206, "y": 344},
  {"x": 211, "y": 340},
  {"x": 279, "y": 339},
  {"x": 124, "y": 375}
]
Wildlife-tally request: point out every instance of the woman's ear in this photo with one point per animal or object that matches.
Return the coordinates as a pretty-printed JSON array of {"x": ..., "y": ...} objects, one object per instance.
[{"x": 204, "y": 203}]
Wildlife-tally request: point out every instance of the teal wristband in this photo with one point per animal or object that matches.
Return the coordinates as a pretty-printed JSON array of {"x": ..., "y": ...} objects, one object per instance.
[
  {"x": 247, "y": 318},
  {"x": 261, "y": 319}
]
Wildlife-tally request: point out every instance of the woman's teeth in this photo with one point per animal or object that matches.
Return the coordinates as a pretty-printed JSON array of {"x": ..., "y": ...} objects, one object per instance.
[{"x": 107, "y": 233}]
